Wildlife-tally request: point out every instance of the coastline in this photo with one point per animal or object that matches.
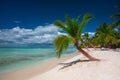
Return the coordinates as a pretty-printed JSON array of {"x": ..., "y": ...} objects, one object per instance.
[
  {"x": 26, "y": 72},
  {"x": 106, "y": 69}
]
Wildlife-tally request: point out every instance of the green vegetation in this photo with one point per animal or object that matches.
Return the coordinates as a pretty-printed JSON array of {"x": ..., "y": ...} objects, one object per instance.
[
  {"x": 117, "y": 15},
  {"x": 74, "y": 30},
  {"x": 86, "y": 41},
  {"x": 105, "y": 35}
]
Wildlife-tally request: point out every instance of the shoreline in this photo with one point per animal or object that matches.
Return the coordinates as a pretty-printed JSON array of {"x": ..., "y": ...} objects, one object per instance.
[
  {"x": 106, "y": 69},
  {"x": 26, "y": 72}
]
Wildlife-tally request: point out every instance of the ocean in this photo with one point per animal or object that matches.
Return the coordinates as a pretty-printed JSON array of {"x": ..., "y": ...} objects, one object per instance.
[{"x": 12, "y": 58}]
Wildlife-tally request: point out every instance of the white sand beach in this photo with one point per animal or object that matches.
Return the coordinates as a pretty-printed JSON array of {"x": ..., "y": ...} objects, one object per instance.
[
  {"x": 107, "y": 69},
  {"x": 77, "y": 67}
]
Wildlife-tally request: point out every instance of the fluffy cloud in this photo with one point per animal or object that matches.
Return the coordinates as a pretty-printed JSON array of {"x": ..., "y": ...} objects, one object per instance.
[
  {"x": 20, "y": 36},
  {"x": 60, "y": 33},
  {"x": 91, "y": 34},
  {"x": 17, "y": 35}
]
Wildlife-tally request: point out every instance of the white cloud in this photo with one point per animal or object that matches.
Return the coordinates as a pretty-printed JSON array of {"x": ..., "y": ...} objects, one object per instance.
[
  {"x": 41, "y": 34},
  {"x": 91, "y": 34},
  {"x": 60, "y": 33}
]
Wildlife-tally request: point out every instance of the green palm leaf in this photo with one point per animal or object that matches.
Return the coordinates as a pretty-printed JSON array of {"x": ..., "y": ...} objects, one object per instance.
[
  {"x": 72, "y": 26},
  {"x": 74, "y": 29},
  {"x": 61, "y": 43},
  {"x": 60, "y": 25},
  {"x": 116, "y": 15},
  {"x": 85, "y": 19},
  {"x": 106, "y": 34}
]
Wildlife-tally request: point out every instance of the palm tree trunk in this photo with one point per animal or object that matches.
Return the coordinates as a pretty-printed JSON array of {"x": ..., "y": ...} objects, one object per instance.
[{"x": 85, "y": 53}]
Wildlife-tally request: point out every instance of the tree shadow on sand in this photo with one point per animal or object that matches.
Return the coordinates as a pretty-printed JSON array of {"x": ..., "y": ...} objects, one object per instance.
[{"x": 71, "y": 63}]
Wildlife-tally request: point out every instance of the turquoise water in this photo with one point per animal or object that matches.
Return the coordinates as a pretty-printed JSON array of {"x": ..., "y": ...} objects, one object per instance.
[{"x": 11, "y": 58}]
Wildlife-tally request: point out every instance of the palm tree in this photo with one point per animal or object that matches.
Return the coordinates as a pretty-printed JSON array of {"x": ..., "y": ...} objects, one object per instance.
[
  {"x": 105, "y": 34},
  {"x": 85, "y": 39},
  {"x": 74, "y": 29},
  {"x": 117, "y": 15}
]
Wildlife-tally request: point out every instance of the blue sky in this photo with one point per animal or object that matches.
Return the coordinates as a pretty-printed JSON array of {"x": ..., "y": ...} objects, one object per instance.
[{"x": 23, "y": 22}]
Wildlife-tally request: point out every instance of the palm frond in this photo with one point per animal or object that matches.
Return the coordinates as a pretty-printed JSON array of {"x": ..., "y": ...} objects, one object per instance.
[
  {"x": 115, "y": 15},
  {"x": 102, "y": 28},
  {"x": 60, "y": 24},
  {"x": 61, "y": 43},
  {"x": 69, "y": 23},
  {"x": 85, "y": 19},
  {"x": 118, "y": 7},
  {"x": 72, "y": 25},
  {"x": 106, "y": 34},
  {"x": 113, "y": 25}
]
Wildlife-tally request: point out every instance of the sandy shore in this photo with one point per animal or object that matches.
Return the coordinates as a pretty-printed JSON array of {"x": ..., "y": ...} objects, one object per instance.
[
  {"x": 107, "y": 69},
  {"x": 24, "y": 73},
  {"x": 73, "y": 67}
]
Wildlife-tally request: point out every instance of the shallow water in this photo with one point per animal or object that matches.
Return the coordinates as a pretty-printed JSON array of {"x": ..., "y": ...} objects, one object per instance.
[{"x": 11, "y": 58}]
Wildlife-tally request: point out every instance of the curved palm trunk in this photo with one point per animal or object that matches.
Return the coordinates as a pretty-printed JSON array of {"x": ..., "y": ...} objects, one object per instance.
[{"x": 85, "y": 53}]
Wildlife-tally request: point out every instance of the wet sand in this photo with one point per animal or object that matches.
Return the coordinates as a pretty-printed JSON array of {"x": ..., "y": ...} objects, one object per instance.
[{"x": 26, "y": 72}]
